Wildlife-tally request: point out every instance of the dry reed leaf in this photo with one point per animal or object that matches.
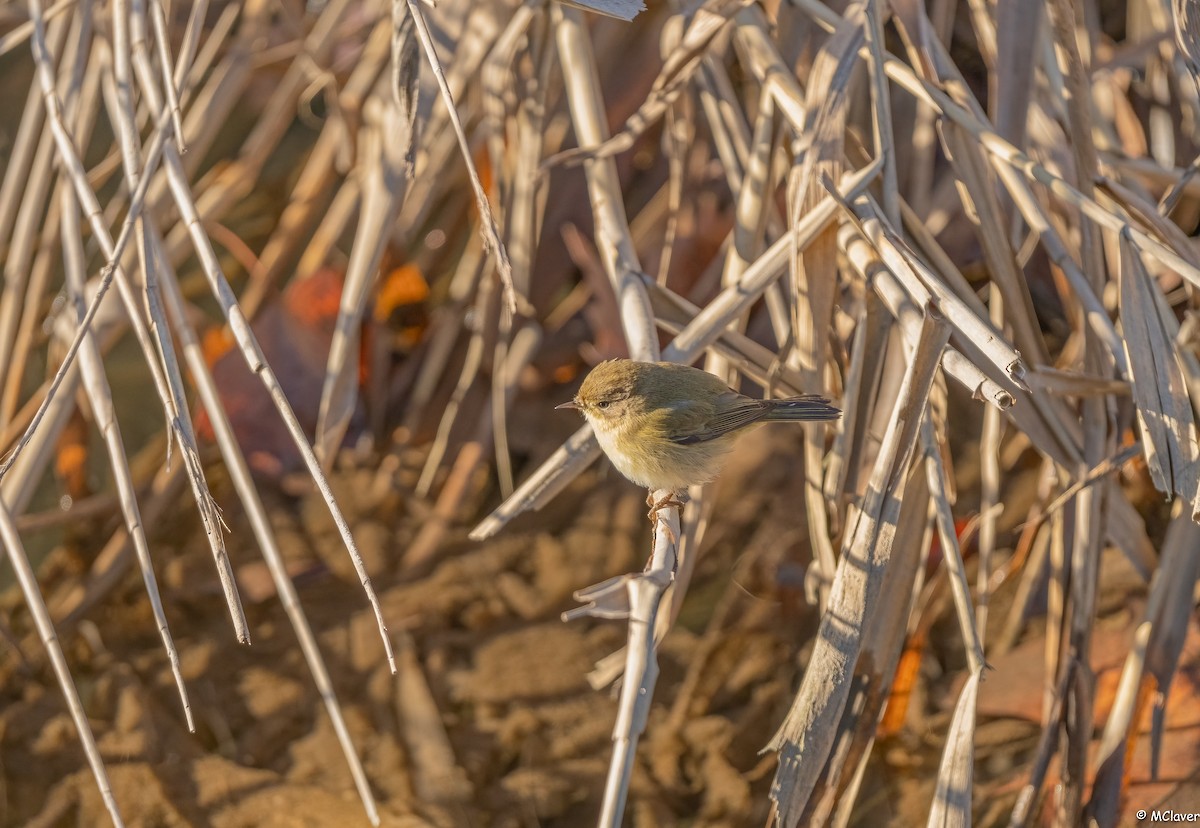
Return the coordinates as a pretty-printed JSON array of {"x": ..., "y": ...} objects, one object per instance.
[
  {"x": 620, "y": 9},
  {"x": 1163, "y": 406},
  {"x": 879, "y": 665},
  {"x": 1170, "y": 615},
  {"x": 806, "y": 736},
  {"x": 952, "y": 799}
]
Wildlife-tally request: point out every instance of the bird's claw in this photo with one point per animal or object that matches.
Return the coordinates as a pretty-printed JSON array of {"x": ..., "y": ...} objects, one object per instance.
[{"x": 675, "y": 499}]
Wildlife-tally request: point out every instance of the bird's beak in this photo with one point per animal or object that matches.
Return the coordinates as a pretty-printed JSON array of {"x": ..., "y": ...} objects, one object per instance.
[{"x": 570, "y": 404}]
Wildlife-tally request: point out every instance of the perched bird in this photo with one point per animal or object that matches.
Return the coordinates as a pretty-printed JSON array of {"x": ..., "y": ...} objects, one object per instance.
[{"x": 668, "y": 426}]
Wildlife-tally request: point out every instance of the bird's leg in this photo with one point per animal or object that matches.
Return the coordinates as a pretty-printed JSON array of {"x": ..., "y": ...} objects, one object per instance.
[{"x": 677, "y": 498}]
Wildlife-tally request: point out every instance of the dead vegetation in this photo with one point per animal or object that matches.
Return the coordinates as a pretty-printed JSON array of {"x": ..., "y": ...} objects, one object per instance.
[{"x": 374, "y": 243}]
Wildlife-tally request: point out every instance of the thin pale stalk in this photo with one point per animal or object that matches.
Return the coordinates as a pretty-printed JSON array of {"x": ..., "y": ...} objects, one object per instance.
[
  {"x": 989, "y": 491},
  {"x": 613, "y": 241},
  {"x": 252, "y": 352},
  {"x": 100, "y": 399},
  {"x": 385, "y": 141},
  {"x": 881, "y": 112},
  {"x": 163, "y": 41},
  {"x": 490, "y": 230},
  {"x": 187, "y": 50},
  {"x": 19, "y": 34},
  {"x": 28, "y": 224},
  {"x": 936, "y": 470},
  {"x": 78, "y": 178},
  {"x": 41, "y": 619},
  {"x": 149, "y": 242}
]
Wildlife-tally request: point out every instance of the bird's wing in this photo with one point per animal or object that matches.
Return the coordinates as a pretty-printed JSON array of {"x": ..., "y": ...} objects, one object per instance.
[{"x": 735, "y": 413}]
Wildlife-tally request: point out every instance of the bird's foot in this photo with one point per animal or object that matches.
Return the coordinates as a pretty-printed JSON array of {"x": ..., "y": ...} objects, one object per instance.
[{"x": 677, "y": 499}]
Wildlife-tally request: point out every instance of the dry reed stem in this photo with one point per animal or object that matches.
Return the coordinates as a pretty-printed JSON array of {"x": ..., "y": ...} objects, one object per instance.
[
  {"x": 705, "y": 24},
  {"x": 875, "y": 271},
  {"x": 310, "y": 192},
  {"x": 491, "y": 236},
  {"x": 387, "y": 143},
  {"x": 100, "y": 399},
  {"x": 245, "y": 341},
  {"x": 813, "y": 269},
  {"x": 613, "y": 241},
  {"x": 386, "y": 140},
  {"x": 45, "y": 627},
  {"x": 805, "y": 738},
  {"x": 24, "y": 210},
  {"x": 252, "y": 352},
  {"x": 74, "y": 168},
  {"x": 638, "y": 598},
  {"x": 149, "y": 246},
  {"x": 22, "y": 32},
  {"x": 935, "y": 469},
  {"x": 318, "y": 670},
  {"x": 114, "y": 558}
]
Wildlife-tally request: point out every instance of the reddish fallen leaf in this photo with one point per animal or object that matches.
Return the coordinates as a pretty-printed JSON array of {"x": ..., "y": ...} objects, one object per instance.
[
  {"x": 1014, "y": 688},
  {"x": 295, "y": 333}
]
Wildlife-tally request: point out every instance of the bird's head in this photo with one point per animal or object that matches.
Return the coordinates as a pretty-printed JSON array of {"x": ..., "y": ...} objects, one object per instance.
[{"x": 613, "y": 392}]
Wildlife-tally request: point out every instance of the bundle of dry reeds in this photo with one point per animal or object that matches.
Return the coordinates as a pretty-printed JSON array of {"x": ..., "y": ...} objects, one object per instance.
[{"x": 880, "y": 202}]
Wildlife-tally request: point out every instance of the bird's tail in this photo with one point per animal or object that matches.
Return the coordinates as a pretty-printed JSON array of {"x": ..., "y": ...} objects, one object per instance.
[{"x": 806, "y": 407}]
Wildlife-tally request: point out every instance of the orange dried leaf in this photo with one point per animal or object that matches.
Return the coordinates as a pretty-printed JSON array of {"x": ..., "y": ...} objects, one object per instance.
[
  {"x": 902, "y": 687},
  {"x": 401, "y": 287}
]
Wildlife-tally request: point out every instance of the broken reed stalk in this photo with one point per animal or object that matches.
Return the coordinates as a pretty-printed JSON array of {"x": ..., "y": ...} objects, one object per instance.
[
  {"x": 804, "y": 739},
  {"x": 637, "y": 598}
]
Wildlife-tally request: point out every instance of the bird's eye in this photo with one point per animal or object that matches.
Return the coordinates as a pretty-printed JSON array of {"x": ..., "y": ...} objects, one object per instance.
[{"x": 604, "y": 404}]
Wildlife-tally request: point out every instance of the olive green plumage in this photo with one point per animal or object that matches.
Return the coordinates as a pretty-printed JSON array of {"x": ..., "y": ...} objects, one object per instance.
[{"x": 668, "y": 426}]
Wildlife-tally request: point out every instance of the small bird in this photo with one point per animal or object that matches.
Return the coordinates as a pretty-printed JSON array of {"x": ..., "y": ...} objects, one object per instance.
[{"x": 669, "y": 426}]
